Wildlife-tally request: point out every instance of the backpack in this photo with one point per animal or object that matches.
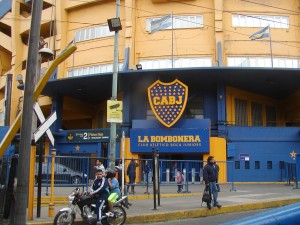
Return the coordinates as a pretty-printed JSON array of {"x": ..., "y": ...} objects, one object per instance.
[{"x": 179, "y": 177}]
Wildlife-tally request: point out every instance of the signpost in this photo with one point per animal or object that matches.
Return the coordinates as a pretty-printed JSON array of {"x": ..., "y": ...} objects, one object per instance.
[
  {"x": 41, "y": 117},
  {"x": 44, "y": 127}
]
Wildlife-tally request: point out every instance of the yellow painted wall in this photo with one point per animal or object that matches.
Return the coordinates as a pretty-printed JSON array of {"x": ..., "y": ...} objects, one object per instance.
[
  {"x": 218, "y": 150},
  {"x": 200, "y": 42},
  {"x": 237, "y": 42},
  {"x": 197, "y": 42}
]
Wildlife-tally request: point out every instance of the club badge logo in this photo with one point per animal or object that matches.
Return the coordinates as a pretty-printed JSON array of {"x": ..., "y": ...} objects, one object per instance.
[{"x": 168, "y": 101}]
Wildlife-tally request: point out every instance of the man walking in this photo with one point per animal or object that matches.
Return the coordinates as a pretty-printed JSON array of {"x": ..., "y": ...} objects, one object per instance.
[{"x": 210, "y": 177}]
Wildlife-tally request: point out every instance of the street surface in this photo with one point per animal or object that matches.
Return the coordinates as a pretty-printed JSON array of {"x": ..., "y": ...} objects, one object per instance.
[{"x": 211, "y": 220}]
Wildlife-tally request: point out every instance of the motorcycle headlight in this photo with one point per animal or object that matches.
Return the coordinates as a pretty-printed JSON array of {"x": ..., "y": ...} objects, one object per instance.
[{"x": 71, "y": 198}]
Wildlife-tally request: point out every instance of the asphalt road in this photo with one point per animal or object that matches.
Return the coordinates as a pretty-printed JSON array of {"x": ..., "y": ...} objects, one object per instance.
[{"x": 211, "y": 220}]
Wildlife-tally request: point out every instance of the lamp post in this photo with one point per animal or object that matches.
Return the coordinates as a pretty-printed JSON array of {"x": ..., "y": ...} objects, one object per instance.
[{"x": 114, "y": 25}]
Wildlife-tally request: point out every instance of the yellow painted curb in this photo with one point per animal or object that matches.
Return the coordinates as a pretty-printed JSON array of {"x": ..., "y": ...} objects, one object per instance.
[
  {"x": 161, "y": 217},
  {"x": 186, "y": 214}
]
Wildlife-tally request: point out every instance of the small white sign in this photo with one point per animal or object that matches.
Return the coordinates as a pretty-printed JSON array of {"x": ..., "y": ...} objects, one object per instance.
[{"x": 44, "y": 127}]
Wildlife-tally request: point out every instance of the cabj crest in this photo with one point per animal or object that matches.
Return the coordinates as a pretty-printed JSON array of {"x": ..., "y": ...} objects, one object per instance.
[{"x": 168, "y": 101}]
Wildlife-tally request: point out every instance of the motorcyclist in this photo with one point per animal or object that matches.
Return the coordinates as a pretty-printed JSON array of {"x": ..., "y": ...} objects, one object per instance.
[{"x": 100, "y": 191}]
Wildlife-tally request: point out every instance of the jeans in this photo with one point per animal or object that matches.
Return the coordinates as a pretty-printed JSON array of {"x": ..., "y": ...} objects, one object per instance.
[
  {"x": 146, "y": 178},
  {"x": 214, "y": 191}
]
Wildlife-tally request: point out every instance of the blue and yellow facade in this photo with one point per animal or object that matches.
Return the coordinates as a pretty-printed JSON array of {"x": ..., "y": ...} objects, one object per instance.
[{"x": 243, "y": 99}]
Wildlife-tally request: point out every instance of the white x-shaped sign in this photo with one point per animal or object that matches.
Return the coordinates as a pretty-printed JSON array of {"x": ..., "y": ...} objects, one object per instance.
[{"x": 45, "y": 124}]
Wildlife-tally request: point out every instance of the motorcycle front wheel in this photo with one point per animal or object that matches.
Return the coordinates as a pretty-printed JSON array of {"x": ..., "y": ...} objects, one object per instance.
[
  {"x": 64, "y": 218},
  {"x": 119, "y": 217}
]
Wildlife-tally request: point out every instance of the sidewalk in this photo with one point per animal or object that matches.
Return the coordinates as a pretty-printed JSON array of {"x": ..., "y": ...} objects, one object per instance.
[{"x": 188, "y": 205}]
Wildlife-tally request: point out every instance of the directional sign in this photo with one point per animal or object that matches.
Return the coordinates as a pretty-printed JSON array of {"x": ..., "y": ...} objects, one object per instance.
[
  {"x": 40, "y": 115},
  {"x": 44, "y": 126}
]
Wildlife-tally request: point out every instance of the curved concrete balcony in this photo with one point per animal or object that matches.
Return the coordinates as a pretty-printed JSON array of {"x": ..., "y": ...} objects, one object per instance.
[
  {"x": 5, "y": 42},
  {"x": 46, "y": 18}
]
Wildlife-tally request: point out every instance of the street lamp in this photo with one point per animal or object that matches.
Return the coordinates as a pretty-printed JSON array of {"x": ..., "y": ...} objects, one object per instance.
[
  {"x": 114, "y": 24},
  {"x": 20, "y": 81}
]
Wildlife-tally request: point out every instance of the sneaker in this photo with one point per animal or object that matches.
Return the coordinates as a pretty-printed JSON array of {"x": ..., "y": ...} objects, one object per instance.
[
  {"x": 99, "y": 223},
  {"x": 110, "y": 214},
  {"x": 209, "y": 206},
  {"x": 217, "y": 205}
]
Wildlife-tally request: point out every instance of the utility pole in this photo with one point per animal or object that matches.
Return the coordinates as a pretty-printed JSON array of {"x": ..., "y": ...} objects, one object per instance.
[
  {"x": 26, "y": 126},
  {"x": 8, "y": 99},
  {"x": 113, "y": 125}
]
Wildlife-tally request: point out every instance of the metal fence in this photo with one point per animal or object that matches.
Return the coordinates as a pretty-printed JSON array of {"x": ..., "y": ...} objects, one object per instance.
[
  {"x": 77, "y": 171},
  {"x": 289, "y": 173}
]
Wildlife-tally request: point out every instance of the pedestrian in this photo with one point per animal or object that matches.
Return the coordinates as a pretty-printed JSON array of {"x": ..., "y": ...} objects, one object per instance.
[
  {"x": 146, "y": 170},
  {"x": 210, "y": 177},
  {"x": 131, "y": 173},
  {"x": 179, "y": 181},
  {"x": 119, "y": 169},
  {"x": 99, "y": 165}
]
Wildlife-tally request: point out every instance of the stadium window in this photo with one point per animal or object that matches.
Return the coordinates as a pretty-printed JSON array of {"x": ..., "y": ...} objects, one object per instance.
[
  {"x": 257, "y": 165},
  {"x": 237, "y": 165},
  {"x": 180, "y": 22},
  {"x": 269, "y": 165},
  {"x": 241, "y": 115},
  {"x": 247, "y": 165},
  {"x": 256, "y": 114},
  {"x": 260, "y": 21},
  {"x": 271, "y": 116}
]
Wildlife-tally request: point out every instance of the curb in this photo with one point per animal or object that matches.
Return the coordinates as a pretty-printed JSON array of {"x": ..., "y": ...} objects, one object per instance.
[{"x": 187, "y": 214}]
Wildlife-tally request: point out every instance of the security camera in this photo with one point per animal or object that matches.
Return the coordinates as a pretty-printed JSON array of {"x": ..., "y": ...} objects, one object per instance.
[{"x": 46, "y": 53}]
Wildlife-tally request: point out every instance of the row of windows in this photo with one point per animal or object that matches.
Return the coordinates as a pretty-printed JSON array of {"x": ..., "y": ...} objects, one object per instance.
[
  {"x": 269, "y": 165},
  {"x": 105, "y": 68},
  {"x": 177, "y": 63},
  {"x": 191, "y": 62},
  {"x": 260, "y": 21},
  {"x": 92, "y": 33},
  {"x": 262, "y": 62},
  {"x": 257, "y": 118},
  {"x": 180, "y": 22}
]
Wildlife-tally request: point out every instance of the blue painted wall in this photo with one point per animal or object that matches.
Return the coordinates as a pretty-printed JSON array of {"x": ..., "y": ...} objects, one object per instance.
[{"x": 262, "y": 144}]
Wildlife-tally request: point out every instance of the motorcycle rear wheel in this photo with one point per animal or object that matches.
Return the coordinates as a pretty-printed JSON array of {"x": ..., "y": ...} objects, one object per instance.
[
  {"x": 119, "y": 218},
  {"x": 63, "y": 218}
]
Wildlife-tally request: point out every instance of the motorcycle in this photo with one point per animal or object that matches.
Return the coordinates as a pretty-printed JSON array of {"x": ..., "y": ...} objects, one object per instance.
[{"x": 85, "y": 205}]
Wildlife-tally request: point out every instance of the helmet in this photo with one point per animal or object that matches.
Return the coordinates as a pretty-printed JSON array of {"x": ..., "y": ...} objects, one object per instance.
[{"x": 110, "y": 174}]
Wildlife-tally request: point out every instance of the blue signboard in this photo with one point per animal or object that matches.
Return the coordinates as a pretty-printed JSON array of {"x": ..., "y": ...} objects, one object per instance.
[
  {"x": 170, "y": 140},
  {"x": 92, "y": 135}
]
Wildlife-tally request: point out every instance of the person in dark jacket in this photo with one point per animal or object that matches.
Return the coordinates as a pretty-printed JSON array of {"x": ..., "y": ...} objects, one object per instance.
[
  {"x": 210, "y": 177},
  {"x": 146, "y": 171},
  {"x": 131, "y": 173},
  {"x": 100, "y": 191}
]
